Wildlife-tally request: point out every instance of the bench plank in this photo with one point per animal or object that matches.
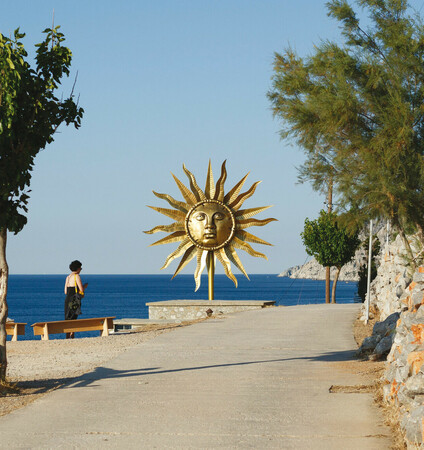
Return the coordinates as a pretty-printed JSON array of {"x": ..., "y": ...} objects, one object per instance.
[
  {"x": 14, "y": 329},
  {"x": 102, "y": 324}
]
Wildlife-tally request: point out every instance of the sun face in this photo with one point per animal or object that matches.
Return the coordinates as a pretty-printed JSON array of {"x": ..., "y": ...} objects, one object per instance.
[
  {"x": 210, "y": 224},
  {"x": 210, "y": 221}
]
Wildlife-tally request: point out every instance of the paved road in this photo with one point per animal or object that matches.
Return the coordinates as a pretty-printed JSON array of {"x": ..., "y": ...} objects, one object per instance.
[{"x": 257, "y": 379}]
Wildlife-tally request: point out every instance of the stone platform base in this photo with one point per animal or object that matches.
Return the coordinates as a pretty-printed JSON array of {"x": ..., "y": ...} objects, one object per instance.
[{"x": 199, "y": 309}]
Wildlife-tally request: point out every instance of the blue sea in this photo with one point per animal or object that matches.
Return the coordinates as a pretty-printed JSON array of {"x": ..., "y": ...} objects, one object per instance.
[{"x": 36, "y": 298}]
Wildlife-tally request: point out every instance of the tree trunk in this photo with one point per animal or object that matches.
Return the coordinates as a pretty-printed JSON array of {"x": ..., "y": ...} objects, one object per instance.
[
  {"x": 4, "y": 275},
  {"x": 327, "y": 284},
  {"x": 408, "y": 248},
  {"x": 329, "y": 210},
  {"x": 333, "y": 291},
  {"x": 421, "y": 239}
]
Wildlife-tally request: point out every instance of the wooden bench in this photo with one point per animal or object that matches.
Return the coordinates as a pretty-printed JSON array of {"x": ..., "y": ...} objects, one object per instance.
[
  {"x": 103, "y": 324},
  {"x": 14, "y": 329}
]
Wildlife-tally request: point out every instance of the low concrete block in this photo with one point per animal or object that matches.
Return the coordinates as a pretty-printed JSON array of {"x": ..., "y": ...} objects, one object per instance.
[{"x": 197, "y": 309}]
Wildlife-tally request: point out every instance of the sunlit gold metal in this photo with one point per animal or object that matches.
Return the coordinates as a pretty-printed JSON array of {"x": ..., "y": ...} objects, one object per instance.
[
  {"x": 210, "y": 224},
  {"x": 211, "y": 275}
]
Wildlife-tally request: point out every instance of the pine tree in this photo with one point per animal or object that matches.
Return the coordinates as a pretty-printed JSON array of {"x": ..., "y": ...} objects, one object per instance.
[{"x": 360, "y": 105}]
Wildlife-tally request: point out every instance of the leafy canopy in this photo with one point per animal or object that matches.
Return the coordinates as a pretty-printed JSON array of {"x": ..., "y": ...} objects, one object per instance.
[
  {"x": 330, "y": 243},
  {"x": 30, "y": 113}
]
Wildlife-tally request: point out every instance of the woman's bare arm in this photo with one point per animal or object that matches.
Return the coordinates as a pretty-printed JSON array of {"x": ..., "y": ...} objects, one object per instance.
[
  {"x": 79, "y": 283},
  {"x": 66, "y": 284}
]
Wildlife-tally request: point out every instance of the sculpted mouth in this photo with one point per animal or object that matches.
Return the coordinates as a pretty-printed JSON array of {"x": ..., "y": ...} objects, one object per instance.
[{"x": 210, "y": 235}]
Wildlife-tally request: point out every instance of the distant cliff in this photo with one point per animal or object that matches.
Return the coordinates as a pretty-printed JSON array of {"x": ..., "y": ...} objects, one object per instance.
[{"x": 314, "y": 271}]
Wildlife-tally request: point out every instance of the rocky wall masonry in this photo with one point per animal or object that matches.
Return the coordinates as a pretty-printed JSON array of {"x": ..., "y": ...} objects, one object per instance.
[
  {"x": 399, "y": 296},
  {"x": 387, "y": 291}
]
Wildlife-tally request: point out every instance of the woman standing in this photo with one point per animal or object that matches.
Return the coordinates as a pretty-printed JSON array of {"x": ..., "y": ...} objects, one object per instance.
[{"x": 73, "y": 284}]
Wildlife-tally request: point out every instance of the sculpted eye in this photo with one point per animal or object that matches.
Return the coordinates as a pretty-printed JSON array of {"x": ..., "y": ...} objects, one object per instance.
[
  {"x": 200, "y": 217},
  {"x": 218, "y": 216}
]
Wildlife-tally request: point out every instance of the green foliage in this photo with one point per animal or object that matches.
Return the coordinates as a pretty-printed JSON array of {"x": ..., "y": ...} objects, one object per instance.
[
  {"x": 30, "y": 113},
  {"x": 360, "y": 108},
  {"x": 330, "y": 243}
]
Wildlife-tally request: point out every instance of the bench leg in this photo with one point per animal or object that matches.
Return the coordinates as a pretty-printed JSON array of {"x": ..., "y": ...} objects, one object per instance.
[
  {"x": 105, "y": 331},
  {"x": 45, "y": 336},
  {"x": 15, "y": 333}
]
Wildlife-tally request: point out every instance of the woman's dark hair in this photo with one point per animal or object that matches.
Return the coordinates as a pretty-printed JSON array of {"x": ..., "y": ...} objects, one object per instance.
[{"x": 75, "y": 265}]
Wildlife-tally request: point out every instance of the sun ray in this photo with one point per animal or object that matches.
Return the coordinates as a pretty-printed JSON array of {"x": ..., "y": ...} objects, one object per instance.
[
  {"x": 235, "y": 206},
  {"x": 188, "y": 196},
  {"x": 187, "y": 257},
  {"x": 181, "y": 206},
  {"x": 210, "y": 223},
  {"x": 174, "y": 237},
  {"x": 177, "y": 253},
  {"x": 219, "y": 190},
  {"x": 198, "y": 193},
  {"x": 222, "y": 258},
  {"x": 210, "y": 185},
  {"x": 201, "y": 264},
  {"x": 237, "y": 243},
  {"x": 234, "y": 192},
  {"x": 243, "y": 214},
  {"x": 248, "y": 237},
  {"x": 176, "y": 226},
  {"x": 172, "y": 213},
  {"x": 238, "y": 202},
  {"x": 233, "y": 257},
  {"x": 242, "y": 224}
]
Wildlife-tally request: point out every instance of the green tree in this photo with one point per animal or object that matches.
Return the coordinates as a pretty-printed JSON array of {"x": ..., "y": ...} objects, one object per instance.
[
  {"x": 30, "y": 113},
  {"x": 330, "y": 243},
  {"x": 360, "y": 105},
  {"x": 319, "y": 171}
]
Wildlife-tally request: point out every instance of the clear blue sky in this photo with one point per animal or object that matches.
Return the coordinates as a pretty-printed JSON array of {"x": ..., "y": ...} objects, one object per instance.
[{"x": 163, "y": 83}]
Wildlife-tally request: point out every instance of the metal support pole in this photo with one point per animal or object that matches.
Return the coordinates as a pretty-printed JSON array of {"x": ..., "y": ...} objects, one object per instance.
[
  {"x": 369, "y": 273},
  {"x": 211, "y": 274}
]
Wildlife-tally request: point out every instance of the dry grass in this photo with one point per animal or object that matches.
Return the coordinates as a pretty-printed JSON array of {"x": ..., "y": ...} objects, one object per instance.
[
  {"x": 7, "y": 388},
  {"x": 391, "y": 418},
  {"x": 355, "y": 389},
  {"x": 362, "y": 330}
]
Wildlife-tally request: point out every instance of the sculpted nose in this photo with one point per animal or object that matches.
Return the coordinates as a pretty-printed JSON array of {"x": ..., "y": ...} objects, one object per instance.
[{"x": 210, "y": 224}]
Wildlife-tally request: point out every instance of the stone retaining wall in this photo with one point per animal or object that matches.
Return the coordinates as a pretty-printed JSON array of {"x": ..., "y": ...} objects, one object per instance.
[
  {"x": 399, "y": 296},
  {"x": 404, "y": 375}
]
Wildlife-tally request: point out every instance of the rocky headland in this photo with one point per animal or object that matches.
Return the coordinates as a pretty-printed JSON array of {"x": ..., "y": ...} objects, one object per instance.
[{"x": 312, "y": 270}]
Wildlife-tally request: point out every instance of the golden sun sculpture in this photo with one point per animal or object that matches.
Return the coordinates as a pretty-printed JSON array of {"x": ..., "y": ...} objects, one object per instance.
[{"x": 210, "y": 224}]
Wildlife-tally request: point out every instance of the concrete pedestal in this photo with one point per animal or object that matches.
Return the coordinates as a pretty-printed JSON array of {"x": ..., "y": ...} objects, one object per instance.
[{"x": 198, "y": 309}]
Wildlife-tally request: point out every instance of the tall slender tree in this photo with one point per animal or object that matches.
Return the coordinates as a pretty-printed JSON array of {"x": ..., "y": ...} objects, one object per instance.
[
  {"x": 30, "y": 114},
  {"x": 361, "y": 104},
  {"x": 319, "y": 171}
]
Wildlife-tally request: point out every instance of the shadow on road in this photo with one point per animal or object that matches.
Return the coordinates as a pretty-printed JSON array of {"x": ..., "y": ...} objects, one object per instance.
[{"x": 105, "y": 372}]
